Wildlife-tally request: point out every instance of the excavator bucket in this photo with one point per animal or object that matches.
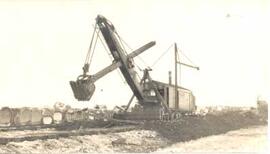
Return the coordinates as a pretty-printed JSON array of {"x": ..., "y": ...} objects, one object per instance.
[{"x": 83, "y": 90}]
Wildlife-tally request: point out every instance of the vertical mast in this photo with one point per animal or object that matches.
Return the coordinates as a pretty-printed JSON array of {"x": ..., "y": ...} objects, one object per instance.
[
  {"x": 175, "y": 67},
  {"x": 170, "y": 78}
]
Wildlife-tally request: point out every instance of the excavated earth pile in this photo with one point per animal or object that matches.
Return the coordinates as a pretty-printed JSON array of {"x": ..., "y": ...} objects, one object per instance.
[{"x": 194, "y": 127}]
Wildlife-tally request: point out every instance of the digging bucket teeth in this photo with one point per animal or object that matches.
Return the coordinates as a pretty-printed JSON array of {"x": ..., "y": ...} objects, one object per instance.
[{"x": 83, "y": 90}]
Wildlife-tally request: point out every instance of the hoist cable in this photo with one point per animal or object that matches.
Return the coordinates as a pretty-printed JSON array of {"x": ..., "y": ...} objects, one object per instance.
[
  {"x": 121, "y": 43},
  {"x": 125, "y": 43},
  {"x": 163, "y": 54},
  {"x": 90, "y": 46},
  {"x": 185, "y": 56},
  {"x": 93, "y": 50},
  {"x": 145, "y": 64},
  {"x": 105, "y": 47},
  {"x": 140, "y": 69}
]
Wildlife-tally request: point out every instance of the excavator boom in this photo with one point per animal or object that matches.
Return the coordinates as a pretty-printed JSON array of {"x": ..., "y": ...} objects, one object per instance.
[
  {"x": 84, "y": 87},
  {"x": 156, "y": 100},
  {"x": 127, "y": 67}
]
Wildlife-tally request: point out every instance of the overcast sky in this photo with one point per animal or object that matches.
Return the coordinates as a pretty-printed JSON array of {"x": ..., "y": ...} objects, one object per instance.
[{"x": 44, "y": 44}]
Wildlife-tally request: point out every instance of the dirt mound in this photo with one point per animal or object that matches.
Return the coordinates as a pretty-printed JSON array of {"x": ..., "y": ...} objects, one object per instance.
[
  {"x": 190, "y": 128},
  {"x": 246, "y": 140}
]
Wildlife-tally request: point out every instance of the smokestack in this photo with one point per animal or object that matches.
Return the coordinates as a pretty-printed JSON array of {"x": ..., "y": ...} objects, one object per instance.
[{"x": 170, "y": 78}]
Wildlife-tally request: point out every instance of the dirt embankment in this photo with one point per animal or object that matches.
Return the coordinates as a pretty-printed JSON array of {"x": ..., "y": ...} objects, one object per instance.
[{"x": 190, "y": 128}]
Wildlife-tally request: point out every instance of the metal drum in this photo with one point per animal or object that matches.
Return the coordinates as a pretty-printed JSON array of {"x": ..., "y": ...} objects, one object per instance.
[
  {"x": 23, "y": 117},
  {"x": 47, "y": 116},
  {"x": 6, "y": 116},
  {"x": 36, "y": 118},
  {"x": 57, "y": 117},
  {"x": 69, "y": 116}
]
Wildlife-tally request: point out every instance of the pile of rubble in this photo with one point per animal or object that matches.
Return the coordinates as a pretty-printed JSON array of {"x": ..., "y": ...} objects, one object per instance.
[{"x": 202, "y": 111}]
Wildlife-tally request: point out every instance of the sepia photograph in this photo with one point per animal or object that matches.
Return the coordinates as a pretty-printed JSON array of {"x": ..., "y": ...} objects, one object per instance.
[{"x": 134, "y": 76}]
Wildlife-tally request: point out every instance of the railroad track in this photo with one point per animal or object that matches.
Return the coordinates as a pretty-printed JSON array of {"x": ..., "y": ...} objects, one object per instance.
[{"x": 43, "y": 134}]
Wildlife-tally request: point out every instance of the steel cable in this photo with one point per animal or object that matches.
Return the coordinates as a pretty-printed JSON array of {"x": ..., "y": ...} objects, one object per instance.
[
  {"x": 93, "y": 50},
  {"x": 185, "y": 56},
  {"x": 163, "y": 54},
  {"x": 90, "y": 46}
]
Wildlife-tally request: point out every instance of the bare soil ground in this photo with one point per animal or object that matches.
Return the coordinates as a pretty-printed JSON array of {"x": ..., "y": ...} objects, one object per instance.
[
  {"x": 162, "y": 136},
  {"x": 253, "y": 139}
]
